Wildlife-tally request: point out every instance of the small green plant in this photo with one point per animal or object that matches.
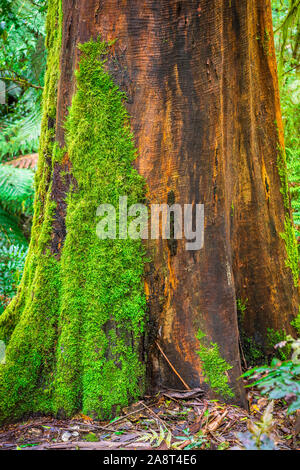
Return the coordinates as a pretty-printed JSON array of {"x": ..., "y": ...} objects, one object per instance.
[
  {"x": 196, "y": 441},
  {"x": 258, "y": 436},
  {"x": 241, "y": 307},
  {"x": 214, "y": 366},
  {"x": 296, "y": 324}
]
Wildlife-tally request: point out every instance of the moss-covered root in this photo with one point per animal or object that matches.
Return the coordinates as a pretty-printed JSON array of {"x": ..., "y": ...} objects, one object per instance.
[
  {"x": 76, "y": 344},
  {"x": 214, "y": 367}
]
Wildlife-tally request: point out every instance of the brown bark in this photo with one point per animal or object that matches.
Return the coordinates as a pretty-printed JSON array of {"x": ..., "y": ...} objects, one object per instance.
[{"x": 200, "y": 77}]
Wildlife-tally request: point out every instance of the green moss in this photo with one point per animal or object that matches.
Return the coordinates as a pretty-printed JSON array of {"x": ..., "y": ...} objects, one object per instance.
[
  {"x": 73, "y": 332},
  {"x": 296, "y": 323},
  {"x": 288, "y": 235},
  {"x": 214, "y": 367},
  {"x": 90, "y": 437},
  {"x": 289, "y": 238}
]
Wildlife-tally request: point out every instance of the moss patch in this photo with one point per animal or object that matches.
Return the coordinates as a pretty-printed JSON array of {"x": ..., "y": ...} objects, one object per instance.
[
  {"x": 214, "y": 367},
  {"x": 296, "y": 323},
  {"x": 289, "y": 238},
  {"x": 288, "y": 235}
]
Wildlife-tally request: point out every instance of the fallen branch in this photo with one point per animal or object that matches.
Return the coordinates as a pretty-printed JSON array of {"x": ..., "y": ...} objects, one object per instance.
[{"x": 101, "y": 445}]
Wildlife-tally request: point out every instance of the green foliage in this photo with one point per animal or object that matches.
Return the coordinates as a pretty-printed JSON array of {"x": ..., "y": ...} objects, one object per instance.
[
  {"x": 292, "y": 260},
  {"x": 296, "y": 323},
  {"x": 22, "y": 61},
  {"x": 288, "y": 235},
  {"x": 252, "y": 351},
  {"x": 16, "y": 190},
  {"x": 196, "y": 440},
  {"x": 286, "y": 20},
  {"x": 22, "y": 66},
  {"x": 280, "y": 379},
  {"x": 12, "y": 260},
  {"x": 241, "y": 307},
  {"x": 16, "y": 201},
  {"x": 214, "y": 367},
  {"x": 10, "y": 231}
]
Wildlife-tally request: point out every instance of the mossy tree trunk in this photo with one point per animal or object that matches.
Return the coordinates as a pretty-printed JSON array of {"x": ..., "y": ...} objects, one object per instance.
[{"x": 202, "y": 96}]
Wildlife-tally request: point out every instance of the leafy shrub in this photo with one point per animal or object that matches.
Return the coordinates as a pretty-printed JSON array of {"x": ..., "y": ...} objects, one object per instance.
[{"x": 280, "y": 380}]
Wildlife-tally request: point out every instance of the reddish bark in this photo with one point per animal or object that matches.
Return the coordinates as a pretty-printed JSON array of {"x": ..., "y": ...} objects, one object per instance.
[{"x": 200, "y": 77}]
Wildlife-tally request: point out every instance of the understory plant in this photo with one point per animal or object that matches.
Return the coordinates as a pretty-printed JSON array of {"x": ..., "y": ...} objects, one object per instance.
[
  {"x": 258, "y": 436},
  {"x": 280, "y": 380}
]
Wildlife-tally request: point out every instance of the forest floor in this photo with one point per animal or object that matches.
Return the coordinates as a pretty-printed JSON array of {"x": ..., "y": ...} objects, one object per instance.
[{"x": 170, "y": 420}]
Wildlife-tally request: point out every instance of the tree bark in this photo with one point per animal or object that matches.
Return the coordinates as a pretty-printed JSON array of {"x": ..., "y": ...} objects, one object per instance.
[{"x": 201, "y": 84}]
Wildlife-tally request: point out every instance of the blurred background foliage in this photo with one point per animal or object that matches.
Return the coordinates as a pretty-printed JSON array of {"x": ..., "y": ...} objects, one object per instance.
[
  {"x": 22, "y": 67},
  {"x": 286, "y": 23}
]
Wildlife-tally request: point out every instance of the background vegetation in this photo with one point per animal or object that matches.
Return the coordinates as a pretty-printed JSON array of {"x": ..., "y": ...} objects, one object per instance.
[{"x": 22, "y": 68}]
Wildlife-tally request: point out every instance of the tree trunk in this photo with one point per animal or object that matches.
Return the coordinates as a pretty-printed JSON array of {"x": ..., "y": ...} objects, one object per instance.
[{"x": 202, "y": 96}]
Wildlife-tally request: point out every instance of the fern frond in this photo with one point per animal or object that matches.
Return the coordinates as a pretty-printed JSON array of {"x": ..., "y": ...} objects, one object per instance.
[
  {"x": 16, "y": 189},
  {"x": 25, "y": 161},
  {"x": 10, "y": 232}
]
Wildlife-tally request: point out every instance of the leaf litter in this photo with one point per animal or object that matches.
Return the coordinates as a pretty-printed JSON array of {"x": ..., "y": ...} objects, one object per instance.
[{"x": 173, "y": 419}]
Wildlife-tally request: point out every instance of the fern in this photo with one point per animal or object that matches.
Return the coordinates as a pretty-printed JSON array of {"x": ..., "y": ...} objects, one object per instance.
[
  {"x": 10, "y": 231},
  {"x": 16, "y": 189},
  {"x": 12, "y": 260},
  {"x": 21, "y": 134},
  {"x": 23, "y": 58}
]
